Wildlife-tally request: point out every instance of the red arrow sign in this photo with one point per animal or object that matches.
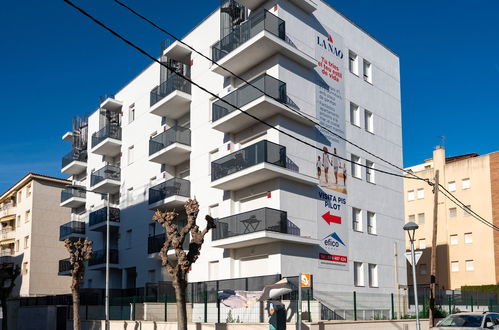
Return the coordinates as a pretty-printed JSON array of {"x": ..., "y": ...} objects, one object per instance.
[{"x": 331, "y": 218}]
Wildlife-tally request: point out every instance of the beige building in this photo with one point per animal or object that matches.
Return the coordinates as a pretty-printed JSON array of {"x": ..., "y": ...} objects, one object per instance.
[
  {"x": 30, "y": 217},
  {"x": 467, "y": 250}
]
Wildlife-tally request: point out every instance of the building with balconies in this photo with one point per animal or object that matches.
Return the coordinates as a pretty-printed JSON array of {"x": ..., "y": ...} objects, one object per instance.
[
  {"x": 30, "y": 216},
  {"x": 297, "y": 199}
]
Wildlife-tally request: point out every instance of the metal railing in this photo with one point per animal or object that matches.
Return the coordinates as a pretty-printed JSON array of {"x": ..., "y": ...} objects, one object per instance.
[
  {"x": 172, "y": 187},
  {"x": 110, "y": 172},
  {"x": 249, "y": 92},
  {"x": 155, "y": 243},
  {"x": 100, "y": 216},
  {"x": 99, "y": 257},
  {"x": 68, "y": 193},
  {"x": 64, "y": 265},
  {"x": 260, "y": 152},
  {"x": 107, "y": 132},
  {"x": 174, "y": 83},
  {"x": 70, "y": 228},
  {"x": 175, "y": 134},
  {"x": 259, "y": 21},
  {"x": 264, "y": 219},
  {"x": 74, "y": 155}
]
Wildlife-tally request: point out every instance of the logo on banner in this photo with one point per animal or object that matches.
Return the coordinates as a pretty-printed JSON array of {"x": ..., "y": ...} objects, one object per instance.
[
  {"x": 328, "y": 45},
  {"x": 333, "y": 241}
]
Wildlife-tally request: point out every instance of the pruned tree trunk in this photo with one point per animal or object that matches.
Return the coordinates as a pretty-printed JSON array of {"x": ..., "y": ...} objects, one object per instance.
[
  {"x": 180, "y": 286},
  {"x": 75, "y": 291}
]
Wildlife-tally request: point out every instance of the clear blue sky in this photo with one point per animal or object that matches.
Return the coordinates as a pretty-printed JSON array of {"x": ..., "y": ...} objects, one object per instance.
[{"x": 55, "y": 63}]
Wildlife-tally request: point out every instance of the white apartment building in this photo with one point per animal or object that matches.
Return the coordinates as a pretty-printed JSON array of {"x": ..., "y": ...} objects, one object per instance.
[{"x": 282, "y": 206}]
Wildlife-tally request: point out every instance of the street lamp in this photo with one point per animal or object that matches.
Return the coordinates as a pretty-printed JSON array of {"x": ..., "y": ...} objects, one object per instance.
[{"x": 411, "y": 227}]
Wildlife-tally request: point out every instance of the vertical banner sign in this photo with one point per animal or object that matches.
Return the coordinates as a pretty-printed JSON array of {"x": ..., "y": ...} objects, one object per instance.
[{"x": 332, "y": 172}]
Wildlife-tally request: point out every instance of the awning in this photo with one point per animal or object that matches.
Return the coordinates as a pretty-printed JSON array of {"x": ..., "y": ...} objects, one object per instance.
[
  {"x": 7, "y": 241},
  {"x": 8, "y": 218}
]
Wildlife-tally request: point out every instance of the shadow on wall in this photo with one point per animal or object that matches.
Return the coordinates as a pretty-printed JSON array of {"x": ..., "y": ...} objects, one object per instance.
[{"x": 423, "y": 268}]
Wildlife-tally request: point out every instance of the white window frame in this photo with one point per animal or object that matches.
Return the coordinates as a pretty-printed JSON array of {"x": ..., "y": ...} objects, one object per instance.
[
  {"x": 411, "y": 195},
  {"x": 356, "y": 219},
  {"x": 354, "y": 114},
  {"x": 419, "y": 219},
  {"x": 358, "y": 274},
  {"x": 368, "y": 121},
  {"x": 131, "y": 113},
  {"x": 131, "y": 154},
  {"x": 370, "y": 172},
  {"x": 371, "y": 223},
  {"x": 451, "y": 186},
  {"x": 465, "y": 183},
  {"x": 420, "y": 193},
  {"x": 469, "y": 265},
  {"x": 353, "y": 62},
  {"x": 367, "y": 69},
  {"x": 453, "y": 239},
  {"x": 465, "y": 212},
  {"x": 411, "y": 218},
  {"x": 468, "y": 238},
  {"x": 422, "y": 243},
  {"x": 454, "y": 266},
  {"x": 373, "y": 275},
  {"x": 356, "y": 168},
  {"x": 452, "y": 212}
]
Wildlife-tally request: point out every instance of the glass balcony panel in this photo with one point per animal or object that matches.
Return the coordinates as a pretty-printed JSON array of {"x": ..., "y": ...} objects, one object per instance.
[
  {"x": 99, "y": 257},
  {"x": 174, "y": 83},
  {"x": 74, "y": 155},
  {"x": 68, "y": 193},
  {"x": 71, "y": 228},
  {"x": 100, "y": 216},
  {"x": 107, "y": 132},
  {"x": 155, "y": 243},
  {"x": 110, "y": 172},
  {"x": 64, "y": 265},
  {"x": 175, "y": 134},
  {"x": 172, "y": 187}
]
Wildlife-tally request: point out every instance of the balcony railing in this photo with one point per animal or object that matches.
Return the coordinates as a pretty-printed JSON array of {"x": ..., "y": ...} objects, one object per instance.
[
  {"x": 68, "y": 193},
  {"x": 107, "y": 132},
  {"x": 172, "y": 187},
  {"x": 100, "y": 216},
  {"x": 74, "y": 155},
  {"x": 7, "y": 209},
  {"x": 155, "y": 243},
  {"x": 110, "y": 172},
  {"x": 259, "y": 21},
  {"x": 7, "y": 232},
  {"x": 71, "y": 228},
  {"x": 264, "y": 219},
  {"x": 175, "y": 134},
  {"x": 174, "y": 83},
  {"x": 260, "y": 152},
  {"x": 99, "y": 257},
  {"x": 249, "y": 92},
  {"x": 64, "y": 265}
]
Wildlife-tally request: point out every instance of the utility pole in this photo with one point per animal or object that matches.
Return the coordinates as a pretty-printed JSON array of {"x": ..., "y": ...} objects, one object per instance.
[{"x": 434, "y": 251}]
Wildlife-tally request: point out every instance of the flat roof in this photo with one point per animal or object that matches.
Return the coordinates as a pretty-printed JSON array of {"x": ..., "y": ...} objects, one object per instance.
[{"x": 27, "y": 178}]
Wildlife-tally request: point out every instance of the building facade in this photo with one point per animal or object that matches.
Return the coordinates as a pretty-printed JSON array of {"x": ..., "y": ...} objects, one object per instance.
[
  {"x": 282, "y": 207},
  {"x": 30, "y": 217},
  {"x": 466, "y": 248}
]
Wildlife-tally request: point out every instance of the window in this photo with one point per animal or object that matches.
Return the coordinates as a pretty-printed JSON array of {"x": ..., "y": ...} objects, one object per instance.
[
  {"x": 466, "y": 184},
  {"x": 358, "y": 273},
  {"x": 410, "y": 195},
  {"x": 422, "y": 244},
  {"x": 452, "y": 212},
  {"x": 131, "y": 155},
  {"x": 421, "y": 218},
  {"x": 373, "y": 275},
  {"x": 451, "y": 186},
  {"x": 151, "y": 276},
  {"x": 412, "y": 218},
  {"x": 368, "y": 75},
  {"x": 469, "y": 265},
  {"x": 26, "y": 241},
  {"x": 423, "y": 270},
  {"x": 128, "y": 239},
  {"x": 25, "y": 268},
  {"x": 19, "y": 196},
  {"x": 131, "y": 113},
  {"x": 353, "y": 63},
  {"x": 468, "y": 238},
  {"x": 152, "y": 229},
  {"x": 354, "y": 114},
  {"x": 17, "y": 245},
  {"x": 28, "y": 190},
  {"x": 356, "y": 167},
  {"x": 369, "y": 121},
  {"x": 27, "y": 216},
  {"x": 356, "y": 219},
  {"x": 371, "y": 223},
  {"x": 454, "y": 266},
  {"x": 369, "y": 171},
  {"x": 467, "y": 213},
  {"x": 420, "y": 193},
  {"x": 454, "y": 240},
  {"x": 18, "y": 221}
]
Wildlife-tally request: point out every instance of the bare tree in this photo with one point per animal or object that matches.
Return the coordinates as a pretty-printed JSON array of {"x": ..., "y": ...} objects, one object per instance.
[
  {"x": 79, "y": 251},
  {"x": 8, "y": 274},
  {"x": 174, "y": 238}
]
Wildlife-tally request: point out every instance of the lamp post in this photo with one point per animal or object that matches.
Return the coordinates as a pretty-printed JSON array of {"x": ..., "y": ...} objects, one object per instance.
[{"x": 410, "y": 228}]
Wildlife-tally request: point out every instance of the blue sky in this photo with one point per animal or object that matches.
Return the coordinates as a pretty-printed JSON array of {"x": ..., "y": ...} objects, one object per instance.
[{"x": 55, "y": 64}]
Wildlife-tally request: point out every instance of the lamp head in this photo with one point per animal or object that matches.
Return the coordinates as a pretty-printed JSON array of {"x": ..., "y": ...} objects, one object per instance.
[{"x": 411, "y": 227}]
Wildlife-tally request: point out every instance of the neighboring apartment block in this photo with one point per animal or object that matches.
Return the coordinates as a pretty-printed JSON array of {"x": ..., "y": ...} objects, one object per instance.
[
  {"x": 282, "y": 206},
  {"x": 30, "y": 217},
  {"x": 467, "y": 249}
]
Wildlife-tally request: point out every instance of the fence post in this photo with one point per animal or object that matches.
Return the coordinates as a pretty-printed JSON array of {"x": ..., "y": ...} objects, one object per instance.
[
  {"x": 133, "y": 308},
  {"x": 471, "y": 302},
  {"x": 393, "y": 307},
  {"x": 166, "y": 307},
  {"x": 355, "y": 306},
  {"x": 205, "y": 306},
  {"x": 308, "y": 305},
  {"x": 218, "y": 304},
  {"x": 450, "y": 304}
]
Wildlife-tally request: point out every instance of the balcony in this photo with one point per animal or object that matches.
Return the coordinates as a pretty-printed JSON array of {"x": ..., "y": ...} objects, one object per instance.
[
  {"x": 256, "y": 227},
  {"x": 64, "y": 267},
  {"x": 177, "y": 51},
  {"x": 307, "y": 6},
  {"x": 7, "y": 233},
  {"x": 170, "y": 194},
  {"x": 97, "y": 220},
  {"x": 74, "y": 162},
  {"x": 261, "y": 36},
  {"x": 73, "y": 197},
  {"x": 7, "y": 212},
  {"x": 171, "y": 99},
  {"x": 155, "y": 244},
  {"x": 257, "y": 163},
  {"x": 72, "y": 229},
  {"x": 98, "y": 260},
  {"x": 172, "y": 147},
  {"x": 107, "y": 141},
  {"x": 108, "y": 102},
  {"x": 106, "y": 180}
]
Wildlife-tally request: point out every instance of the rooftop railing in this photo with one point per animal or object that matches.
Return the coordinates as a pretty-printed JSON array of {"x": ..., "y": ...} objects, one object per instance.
[
  {"x": 172, "y": 187},
  {"x": 260, "y": 152},
  {"x": 110, "y": 172},
  {"x": 175, "y": 134},
  {"x": 71, "y": 228},
  {"x": 99, "y": 257},
  {"x": 100, "y": 216},
  {"x": 68, "y": 193},
  {"x": 249, "y": 92},
  {"x": 107, "y": 132},
  {"x": 259, "y": 21},
  {"x": 174, "y": 83},
  {"x": 155, "y": 243},
  {"x": 73, "y": 156}
]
